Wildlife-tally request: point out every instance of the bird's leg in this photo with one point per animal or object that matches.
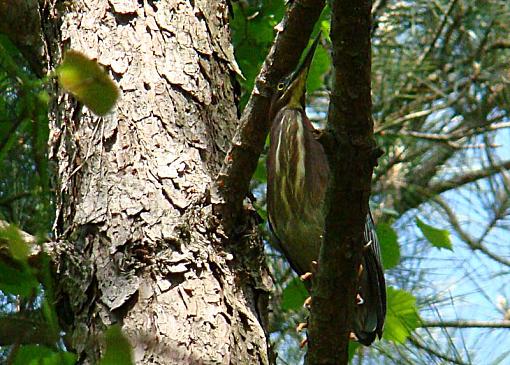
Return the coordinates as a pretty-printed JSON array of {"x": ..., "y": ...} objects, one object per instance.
[
  {"x": 301, "y": 326},
  {"x": 308, "y": 301},
  {"x": 359, "y": 299},
  {"x": 308, "y": 276}
]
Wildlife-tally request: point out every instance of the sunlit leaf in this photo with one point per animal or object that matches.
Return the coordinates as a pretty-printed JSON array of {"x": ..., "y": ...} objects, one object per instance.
[
  {"x": 402, "y": 315},
  {"x": 18, "y": 248},
  {"x": 17, "y": 279},
  {"x": 390, "y": 250},
  {"x": 320, "y": 65},
  {"x": 439, "y": 238},
  {"x": 42, "y": 355},
  {"x": 88, "y": 82}
]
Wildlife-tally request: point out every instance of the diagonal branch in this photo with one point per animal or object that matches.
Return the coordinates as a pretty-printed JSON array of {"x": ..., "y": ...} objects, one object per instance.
[
  {"x": 293, "y": 33},
  {"x": 432, "y": 44},
  {"x": 467, "y": 324},
  {"x": 416, "y": 194},
  {"x": 422, "y": 346},
  {"x": 441, "y": 186},
  {"x": 475, "y": 245}
]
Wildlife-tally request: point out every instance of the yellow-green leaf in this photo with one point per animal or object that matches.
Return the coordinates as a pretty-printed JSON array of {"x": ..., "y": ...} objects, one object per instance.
[
  {"x": 402, "y": 315},
  {"x": 88, "y": 82},
  {"x": 12, "y": 237},
  {"x": 118, "y": 349},
  {"x": 439, "y": 238},
  {"x": 390, "y": 250}
]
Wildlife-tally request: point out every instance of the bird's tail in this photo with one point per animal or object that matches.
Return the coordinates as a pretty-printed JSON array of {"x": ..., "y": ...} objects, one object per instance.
[{"x": 371, "y": 301}]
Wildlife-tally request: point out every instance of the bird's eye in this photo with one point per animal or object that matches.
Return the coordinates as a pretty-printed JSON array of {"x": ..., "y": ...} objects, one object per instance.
[{"x": 280, "y": 86}]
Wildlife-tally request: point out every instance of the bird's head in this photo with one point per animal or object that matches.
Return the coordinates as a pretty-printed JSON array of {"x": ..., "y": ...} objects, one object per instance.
[{"x": 290, "y": 91}]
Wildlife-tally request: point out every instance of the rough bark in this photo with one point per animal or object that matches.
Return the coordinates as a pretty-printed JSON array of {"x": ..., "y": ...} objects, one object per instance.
[{"x": 140, "y": 245}]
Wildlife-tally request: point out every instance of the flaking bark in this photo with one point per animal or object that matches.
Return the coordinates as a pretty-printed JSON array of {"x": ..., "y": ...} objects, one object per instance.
[{"x": 142, "y": 245}]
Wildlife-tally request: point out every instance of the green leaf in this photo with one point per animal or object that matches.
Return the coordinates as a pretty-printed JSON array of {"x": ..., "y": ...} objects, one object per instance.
[
  {"x": 439, "y": 238},
  {"x": 17, "y": 279},
  {"x": 18, "y": 248},
  {"x": 390, "y": 250},
  {"x": 294, "y": 295},
  {"x": 118, "y": 349},
  {"x": 353, "y": 346},
  {"x": 260, "y": 173},
  {"x": 88, "y": 82},
  {"x": 42, "y": 355},
  {"x": 321, "y": 63},
  {"x": 402, "y": 315}
]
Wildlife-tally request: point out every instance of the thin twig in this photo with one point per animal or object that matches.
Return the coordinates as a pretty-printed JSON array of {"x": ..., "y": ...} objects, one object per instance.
[{"x": 467, "y": 324}]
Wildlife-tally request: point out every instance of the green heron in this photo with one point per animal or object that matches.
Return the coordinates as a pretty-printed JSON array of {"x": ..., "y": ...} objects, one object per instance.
[{"x": 298, "y": 175}]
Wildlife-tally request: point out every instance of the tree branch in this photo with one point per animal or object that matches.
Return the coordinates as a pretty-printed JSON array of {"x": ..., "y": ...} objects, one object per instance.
[
  {"x": 292, "y": 36},
  {"x": 432, "y": 351},
  {"x": 28, "y": 238},
  {"x": 475, "y": 245},
  {"x": 351, "y": 153},
  {"x": 441, "y": 186},
  {"x": 467, "y": 324},
  {"x": 437, "y": 34}
]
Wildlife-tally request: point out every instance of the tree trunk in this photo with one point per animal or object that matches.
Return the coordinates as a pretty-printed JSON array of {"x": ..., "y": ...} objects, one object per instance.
[{"x": 140, "y": 244}]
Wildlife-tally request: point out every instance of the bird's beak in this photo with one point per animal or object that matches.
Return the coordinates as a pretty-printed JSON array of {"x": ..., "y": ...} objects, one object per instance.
[{"x": 297, "y": 85}]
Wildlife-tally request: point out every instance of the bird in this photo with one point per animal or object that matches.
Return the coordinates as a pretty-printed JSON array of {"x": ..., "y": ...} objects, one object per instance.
[{"x": 297, "y": 179}]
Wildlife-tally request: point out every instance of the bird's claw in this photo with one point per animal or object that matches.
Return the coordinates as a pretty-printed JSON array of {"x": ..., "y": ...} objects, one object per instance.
[
  {"x": 308, "y": 302},
  {"x": 306, "y": 276},
  {"x": 301, "y": 326},
  {"x": 359, "y": 299}
]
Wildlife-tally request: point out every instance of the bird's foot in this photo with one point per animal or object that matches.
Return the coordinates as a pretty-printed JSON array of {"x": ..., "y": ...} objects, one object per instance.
[
  {"x": 308, "y": 275},
  {"x": 301, "y": 326},
  {"x": 359, "y": 299},
  {"x": 308, "y": 303}
]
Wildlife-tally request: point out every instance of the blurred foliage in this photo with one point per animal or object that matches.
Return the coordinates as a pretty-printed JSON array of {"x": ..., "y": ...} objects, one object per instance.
[
  {"x": 118, "y": 349},
  {"x": 41, "y": 355},
  {"x": 390, "y": 249},
  {"x": 88, "y": 82},
  {"x": 25, "y": 197}
]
